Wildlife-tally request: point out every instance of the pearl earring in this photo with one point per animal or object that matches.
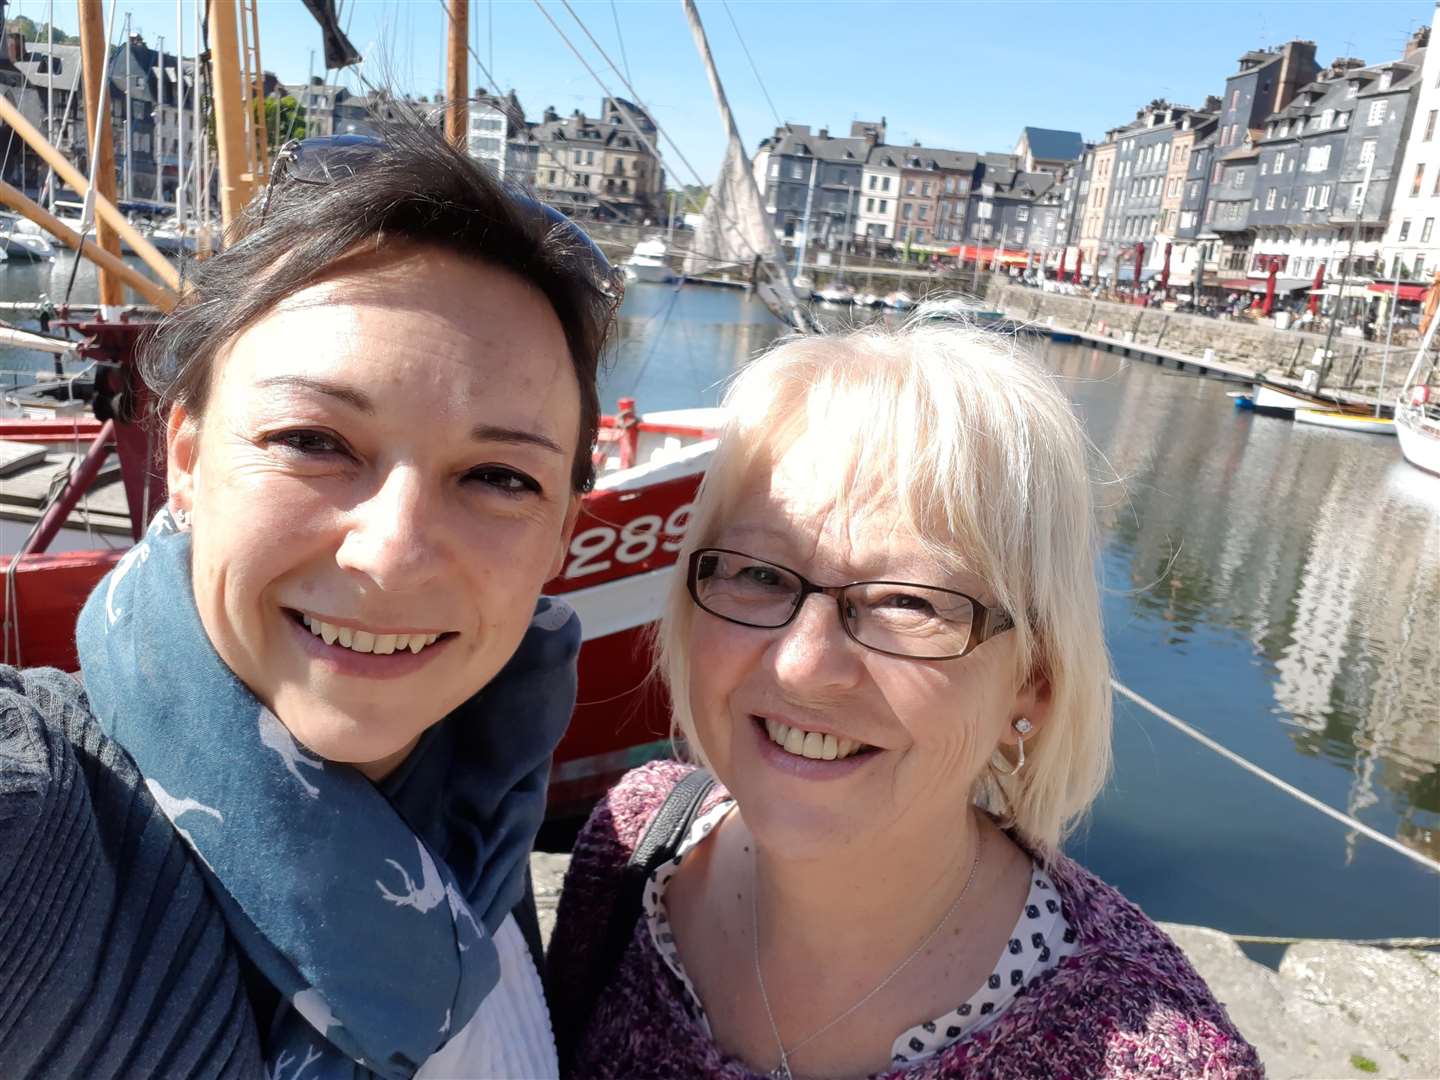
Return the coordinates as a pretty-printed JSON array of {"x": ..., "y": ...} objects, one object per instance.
[{"x": 1022, "y": 728}]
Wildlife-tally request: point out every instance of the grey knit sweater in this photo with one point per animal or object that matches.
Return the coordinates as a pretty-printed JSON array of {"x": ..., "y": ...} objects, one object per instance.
[{"x": 114, "y": 960}]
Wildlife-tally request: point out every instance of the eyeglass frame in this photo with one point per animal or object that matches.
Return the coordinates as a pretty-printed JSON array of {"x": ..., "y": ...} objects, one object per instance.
[
  {"x": 981, "y": 628},
  {"x": 290, "y": 153}
]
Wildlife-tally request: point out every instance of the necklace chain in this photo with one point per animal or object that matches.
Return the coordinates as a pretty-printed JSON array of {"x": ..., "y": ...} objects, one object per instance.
[{"x": 782, "y": 1070}]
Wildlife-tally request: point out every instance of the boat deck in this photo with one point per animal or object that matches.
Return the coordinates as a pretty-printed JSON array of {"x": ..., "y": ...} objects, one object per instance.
[{"x": 29, "y": 472}]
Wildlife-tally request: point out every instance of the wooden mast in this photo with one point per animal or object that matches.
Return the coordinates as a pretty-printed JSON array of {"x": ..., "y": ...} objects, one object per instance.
[
  {"x": 237, "y": 183},
  {"x": 93, "y": 47},
  {"x": 457, "y": 71}
]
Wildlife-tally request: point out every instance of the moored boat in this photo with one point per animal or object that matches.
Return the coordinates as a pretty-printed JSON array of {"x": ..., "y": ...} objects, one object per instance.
[
  {"x": 899, "y": 300},
  {"x": 1341, "y": 421},
  {"x": 648, "y": 263},
  {"x": 1417, "y": 416},
  {"x": 835, "y": 293}
]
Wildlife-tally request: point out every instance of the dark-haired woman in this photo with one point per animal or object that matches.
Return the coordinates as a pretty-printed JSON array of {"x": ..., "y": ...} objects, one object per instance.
[{"x": 284, "y": 827}]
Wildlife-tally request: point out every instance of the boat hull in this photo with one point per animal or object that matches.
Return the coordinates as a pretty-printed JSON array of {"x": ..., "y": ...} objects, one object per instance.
[
  {"x": 654, "y": 275},
  {"x": 1370, "y": 425},
  {"x": 1419, "y": 440}
]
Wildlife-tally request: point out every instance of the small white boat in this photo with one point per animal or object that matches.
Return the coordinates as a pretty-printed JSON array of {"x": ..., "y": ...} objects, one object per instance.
[
  {"x": 1373, "y": 425},
  {"x": 1417, "y": 413},
  {"x": 836, "y": 294},
  {"x": 868, "y": 299},
  {"x": 647, "y": 263},
  {"x": 21, "y": 240},
  {"x": 899, "y": 300}
]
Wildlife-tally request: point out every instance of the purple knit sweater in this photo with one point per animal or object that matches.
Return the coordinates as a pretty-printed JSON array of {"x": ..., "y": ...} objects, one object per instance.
[{"x": 1127, "y": 1004}]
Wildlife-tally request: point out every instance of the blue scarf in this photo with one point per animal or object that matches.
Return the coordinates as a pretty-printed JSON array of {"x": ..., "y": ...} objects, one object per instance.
[{"x": 370, "y": 910}]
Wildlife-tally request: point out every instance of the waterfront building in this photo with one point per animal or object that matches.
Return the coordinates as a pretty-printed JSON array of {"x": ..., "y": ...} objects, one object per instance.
[
  {"x": 600, "y": 167},
  {"x": 796, "y": 168},
  {"x": 1048, "y": 150},
  {"x": 920, "y": 184},
  {"x": 878, "y": 208},
  {"x": 1093, "y": 214},
  {"x": 1411, "y": 244},
  {"x": 957, "y": 170},
  {"x": 44, "y": 77},
  {"x": 1330, "y": 167}
]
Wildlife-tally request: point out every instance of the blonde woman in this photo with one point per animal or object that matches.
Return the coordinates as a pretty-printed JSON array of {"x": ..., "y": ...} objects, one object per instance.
[{"x": 884, "y": 641}]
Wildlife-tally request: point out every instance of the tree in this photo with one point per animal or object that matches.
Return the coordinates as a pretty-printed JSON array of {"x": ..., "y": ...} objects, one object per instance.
[
  {"x": 284, "y": 120},
  {"x": 26, "y": 28}
]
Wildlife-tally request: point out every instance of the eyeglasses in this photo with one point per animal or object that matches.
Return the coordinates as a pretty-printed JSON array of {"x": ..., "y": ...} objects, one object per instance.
[
  {"x": 330, "y": 158},
  {"x": 897, "y": 618}
]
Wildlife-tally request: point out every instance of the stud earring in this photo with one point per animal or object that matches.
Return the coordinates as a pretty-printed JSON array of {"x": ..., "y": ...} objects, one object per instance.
[
  {"x": 182, "y": 518},
  {"x": 1022, "y": 728}
]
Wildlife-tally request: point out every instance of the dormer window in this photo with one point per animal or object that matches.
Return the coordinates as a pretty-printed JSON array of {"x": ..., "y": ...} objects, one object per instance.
[
  {"x": 1352, "y": 90},
  {"x": 1385, "y": 79}
]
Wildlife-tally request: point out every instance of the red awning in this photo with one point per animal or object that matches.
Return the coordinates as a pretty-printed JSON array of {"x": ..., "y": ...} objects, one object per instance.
[
  {"x": 1406, "y": 292},
  {"x": 1237, "y": 284}
]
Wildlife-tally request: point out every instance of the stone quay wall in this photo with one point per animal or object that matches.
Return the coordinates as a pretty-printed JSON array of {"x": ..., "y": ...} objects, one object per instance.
[{"x": 1277, "y": 354}]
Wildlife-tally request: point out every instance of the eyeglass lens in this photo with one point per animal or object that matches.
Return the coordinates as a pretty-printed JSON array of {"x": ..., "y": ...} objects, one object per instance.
[{"x": 911, "y": 620}]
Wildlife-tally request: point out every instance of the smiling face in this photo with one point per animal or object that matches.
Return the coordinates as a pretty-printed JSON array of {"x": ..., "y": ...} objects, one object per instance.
[
  {"x": 379, "y": 487},
  {"x": 925, "y": 729}
]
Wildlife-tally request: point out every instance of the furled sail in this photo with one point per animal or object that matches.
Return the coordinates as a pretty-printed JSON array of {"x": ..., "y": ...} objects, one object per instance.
[{"x": 733, "y": 229}]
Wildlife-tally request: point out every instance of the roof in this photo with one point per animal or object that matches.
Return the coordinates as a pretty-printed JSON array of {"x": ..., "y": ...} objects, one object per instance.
[{"x": 1051, "y": 144}]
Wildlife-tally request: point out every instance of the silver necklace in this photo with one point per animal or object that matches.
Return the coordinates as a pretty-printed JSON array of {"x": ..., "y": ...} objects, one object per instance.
[{"x": 782, "y": 1070}]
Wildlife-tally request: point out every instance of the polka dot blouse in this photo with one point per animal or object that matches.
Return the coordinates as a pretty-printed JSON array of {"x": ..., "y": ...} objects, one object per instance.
[{"x": 1042, "y": 937}]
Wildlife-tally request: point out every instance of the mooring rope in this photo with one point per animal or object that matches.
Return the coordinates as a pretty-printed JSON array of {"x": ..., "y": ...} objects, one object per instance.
[{"x": 1271, "y": 778}]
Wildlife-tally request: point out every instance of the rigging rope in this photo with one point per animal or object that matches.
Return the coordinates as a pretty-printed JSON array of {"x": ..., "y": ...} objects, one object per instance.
[
  {"x": 621, "y": 39},
  {"x": 774, "y": 111},
  {"x": 648, "y": 145},
  {"x": 1270, "y": 778}
]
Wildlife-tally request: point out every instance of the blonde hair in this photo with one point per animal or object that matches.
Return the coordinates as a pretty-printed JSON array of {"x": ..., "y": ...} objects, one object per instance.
[{"x": 988, "y": 466}]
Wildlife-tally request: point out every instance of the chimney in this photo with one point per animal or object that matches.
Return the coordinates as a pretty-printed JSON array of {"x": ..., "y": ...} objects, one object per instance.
[
  {"x": 550, "y": 115},
  {"x": 1418, "y": 40},
  {"x": 1297, "y": 67},
  {"x": 824, "y": 133}
]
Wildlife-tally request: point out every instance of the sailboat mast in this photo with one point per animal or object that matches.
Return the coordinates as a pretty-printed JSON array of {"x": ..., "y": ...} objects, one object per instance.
[
  {"x": 180, "y": 121},
  {"x": 457, "y": 71},
  {"x": 236, "y": 182},
  {"x": 129, "y": 117},
  {"x": 95, "y": 63}
]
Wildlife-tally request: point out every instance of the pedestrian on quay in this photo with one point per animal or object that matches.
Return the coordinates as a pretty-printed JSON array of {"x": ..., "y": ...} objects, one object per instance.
[
  {"x": 885, "y": 644},
  {"x": 284, "y": 827}
]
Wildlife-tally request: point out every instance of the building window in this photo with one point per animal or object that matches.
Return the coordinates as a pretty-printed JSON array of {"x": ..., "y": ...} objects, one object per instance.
[
  {"x": 1426, "y": 229},
  {"x": 774, "y": 169},
  {"x": 1356, "y": 194},
  {"x": 919, "y": 236},
  {"x": 924, "y": 189},
  {"x": 1270, "y": 199},
  {"x": 1322, "y": 197},
  {"x": 1310, "y": 197},
  {"x": 872, "y": 182},
  {"x": 1418, "y": 269},
  {"x": 1430, "y": 125},
  {"x": 1419, "y": 179},
  {"x": 909, "y": 187},
  {"x": 1265, "y": 168},
  {"x": 797, "y": 171},
  {"x": 950, "y": 184},
  {"x": 1022, "y": 213},
  {"x": 869, "y": 205},
  {"x": 1317, "y": 159},
  {"x": 924, "y": 213},
  {"x": 884, "y": 205},
  {"x": 1234, "y": 99},
  {"x": 1404, "y": 230},
  {"x": 1238, "y": 180},
  {"x": 885, "y": 183},
  {"x": 1367, "y": 152},
  {"x": 1376, "y": 115},
  {"x": 1280, "y": 162},
  {"x": 903, "y": 233},
  {"x": 906, "y": 210}
]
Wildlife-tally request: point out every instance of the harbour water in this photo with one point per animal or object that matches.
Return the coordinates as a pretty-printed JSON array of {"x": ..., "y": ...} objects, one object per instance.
[{"x": 1274, "y": 585}]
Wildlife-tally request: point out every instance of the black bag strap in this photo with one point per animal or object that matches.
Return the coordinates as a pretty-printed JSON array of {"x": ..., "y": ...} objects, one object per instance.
[{"x": 660, "y": 841}]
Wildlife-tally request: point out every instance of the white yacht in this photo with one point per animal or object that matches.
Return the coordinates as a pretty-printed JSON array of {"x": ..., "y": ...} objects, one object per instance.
[
  {"x": 22, "y": 240},
  {"x": 647, "y": 263}
]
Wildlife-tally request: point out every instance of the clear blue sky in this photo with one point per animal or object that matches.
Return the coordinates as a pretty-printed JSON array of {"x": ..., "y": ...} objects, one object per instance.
[{"x": 960, "y": 75}]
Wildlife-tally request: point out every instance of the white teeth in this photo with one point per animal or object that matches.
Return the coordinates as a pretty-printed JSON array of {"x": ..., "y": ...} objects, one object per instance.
[
  {"x": 366, "y": 642},
  {"x": 810, "y": 744}
]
